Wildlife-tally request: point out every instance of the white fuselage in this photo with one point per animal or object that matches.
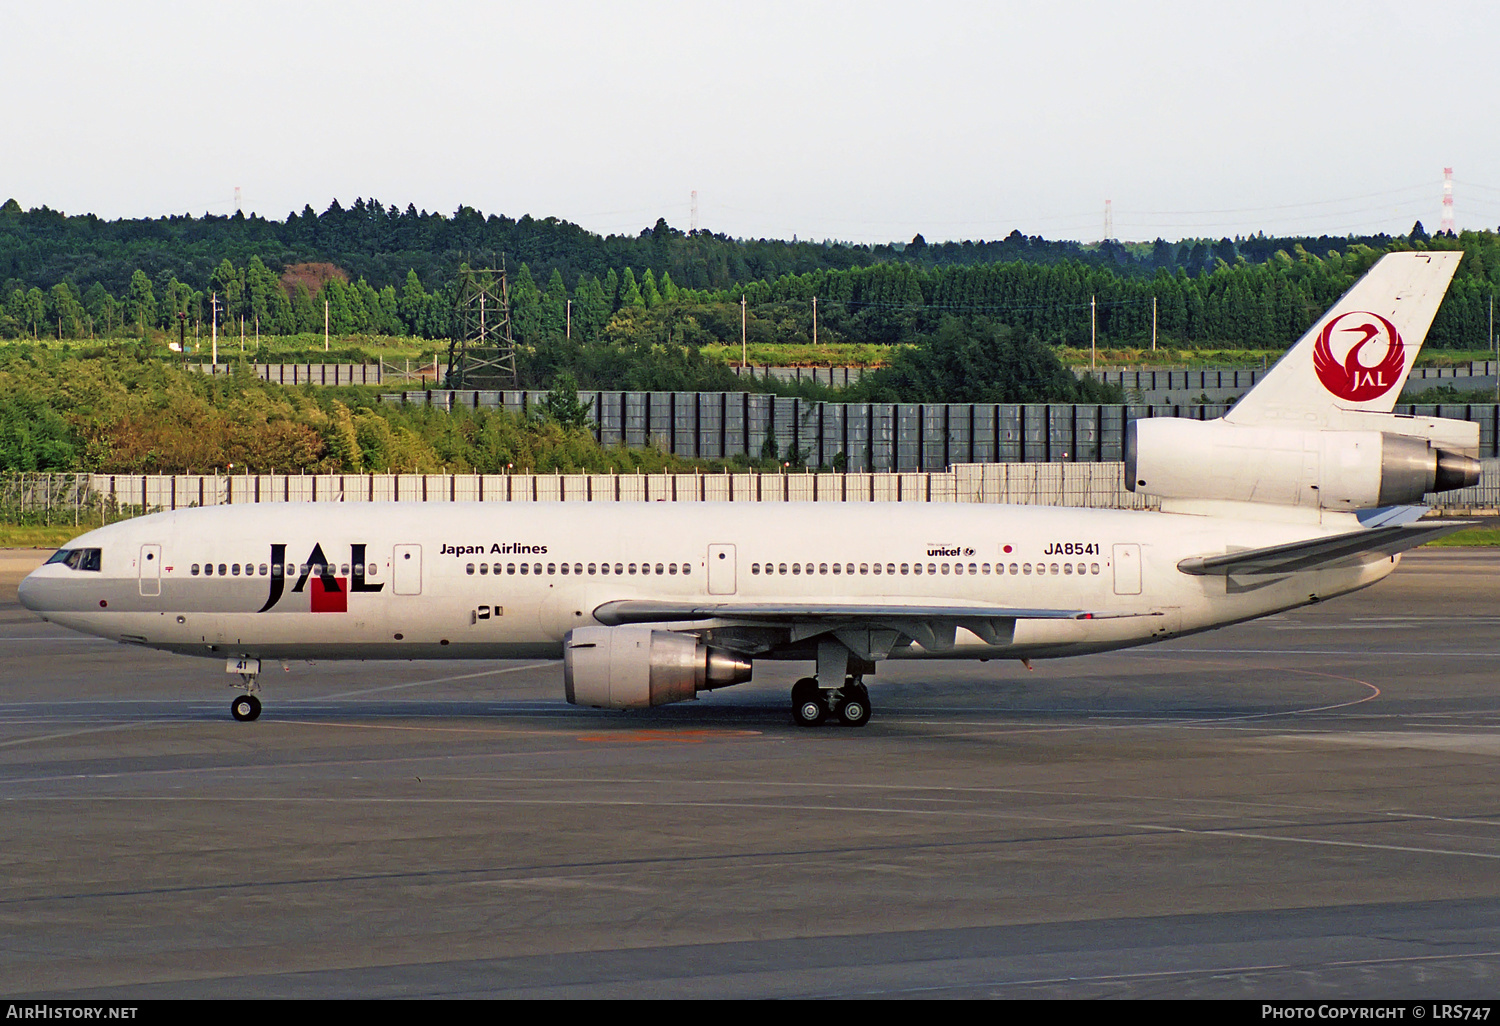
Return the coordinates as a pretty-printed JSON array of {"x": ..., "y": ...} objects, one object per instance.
[{"x": 469, "y": 580}]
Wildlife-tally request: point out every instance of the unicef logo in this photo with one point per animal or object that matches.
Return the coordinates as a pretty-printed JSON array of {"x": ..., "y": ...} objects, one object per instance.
[{"x": 1359, "y": 356}]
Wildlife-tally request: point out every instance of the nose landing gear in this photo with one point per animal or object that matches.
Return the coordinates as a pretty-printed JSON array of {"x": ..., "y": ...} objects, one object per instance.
[
  {"x": 247, "y": 706},
  {"x": 811, "y": 704}
]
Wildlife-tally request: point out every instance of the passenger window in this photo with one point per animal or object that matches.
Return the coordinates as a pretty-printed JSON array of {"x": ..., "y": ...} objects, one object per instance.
[
  {"x": 1054, "y": 568},
  {"x": 234, "y": 570},
  {"x": 343, "y": 570},
  {"x": 1093, "y": 568},
  {"x": 632, "y": 568},
  {"x": 904, "y": 567},
  {"x": 593, "y": 568},
  {"x": 221, "y": 569},
  {"x": 864, "y": 569},
  {"x": 837, "y": 568},
  {"x": 469, "y": 569},
  {"x": 796, "y": 568},
  {"x": 208, "y": 570},
  {"x": 577, "y": 568},
  {"x": 484, "y": 569},
  {"x": 551, "y": 569},
  {"x": 536, "y": 568},
  {"x": 646, "y": 569},
  {"x": 564, "y": 568},
  {"x": 658, "y": 569},
  {"x": 822, "y": 568},
  {"x": 1013, "y": 569},
  {"x": 945, "y": 569},
  {"x": 264, "y": 569},
  {"x": 687, "y": 568},
  {"x": 672, "y": 569},
  {"x": 916, "y": 568},
  {"x": 525, "y": 569},
  {"x": 194, "y": 571},
  {"x": 755, "y": 569}
]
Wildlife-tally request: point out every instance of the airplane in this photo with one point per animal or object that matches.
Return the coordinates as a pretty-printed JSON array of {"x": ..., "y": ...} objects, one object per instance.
[{"x": 1304, "y": 491}]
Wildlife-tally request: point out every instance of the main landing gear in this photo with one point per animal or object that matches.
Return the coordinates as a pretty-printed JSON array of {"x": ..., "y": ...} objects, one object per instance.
[{"x": 811, "y": 705}]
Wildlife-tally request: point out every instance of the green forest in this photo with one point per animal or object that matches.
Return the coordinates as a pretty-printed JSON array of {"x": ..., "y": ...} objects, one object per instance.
[
  {"x": 88, "y": 307},
  {"x": 377, "y": 271}
]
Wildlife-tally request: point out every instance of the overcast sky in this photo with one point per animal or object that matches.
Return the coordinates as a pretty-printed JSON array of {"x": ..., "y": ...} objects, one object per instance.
[{"x": 867, "y": 121}]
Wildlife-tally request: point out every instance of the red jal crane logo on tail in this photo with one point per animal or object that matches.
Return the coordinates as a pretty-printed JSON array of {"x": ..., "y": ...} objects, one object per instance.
[{"x": 1354, "y": 379}]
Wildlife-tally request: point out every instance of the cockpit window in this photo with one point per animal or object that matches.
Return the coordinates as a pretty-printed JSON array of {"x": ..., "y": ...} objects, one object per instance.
[{"x": 78, "y": 559}]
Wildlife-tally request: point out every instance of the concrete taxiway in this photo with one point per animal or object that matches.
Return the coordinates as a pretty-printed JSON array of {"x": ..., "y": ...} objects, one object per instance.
[{"x": 1305, "y": 806}]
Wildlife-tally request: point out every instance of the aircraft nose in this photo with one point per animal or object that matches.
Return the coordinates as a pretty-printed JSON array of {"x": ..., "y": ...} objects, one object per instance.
[{"x": 32, "y": 592}]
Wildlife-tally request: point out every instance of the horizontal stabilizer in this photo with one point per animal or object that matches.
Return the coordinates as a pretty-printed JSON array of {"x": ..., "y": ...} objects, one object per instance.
[
  {"x": 1390, "y": 516},
  {"x": 614, "y": 614},
  {"x": 1319, "y": 553}
]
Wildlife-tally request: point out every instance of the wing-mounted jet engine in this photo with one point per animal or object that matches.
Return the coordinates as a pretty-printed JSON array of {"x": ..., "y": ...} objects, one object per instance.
[{"x": 634, "y": 667}]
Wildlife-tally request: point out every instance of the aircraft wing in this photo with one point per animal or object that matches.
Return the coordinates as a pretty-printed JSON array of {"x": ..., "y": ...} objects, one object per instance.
[
  {"x": 613, "y": 614},
  {"x": 1318, "y": 553}
]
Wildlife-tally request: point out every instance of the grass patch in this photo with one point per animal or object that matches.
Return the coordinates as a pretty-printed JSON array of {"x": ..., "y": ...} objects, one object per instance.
[
  {"x": 1473, "y": 537},
  {"x": 22, "y": 536},
  {"x": 777, "y": 354}
]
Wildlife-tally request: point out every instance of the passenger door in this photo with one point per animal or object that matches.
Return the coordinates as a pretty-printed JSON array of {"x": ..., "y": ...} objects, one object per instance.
[
  {"x": 406, "y": 570},
  {"x": 150, "y": 570},
  {"x": 1127, "y": 560},
  {"x": 721, "y": 570}
]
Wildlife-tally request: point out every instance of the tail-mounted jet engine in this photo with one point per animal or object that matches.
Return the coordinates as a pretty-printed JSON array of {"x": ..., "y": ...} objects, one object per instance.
[
  {"x": 636, "y": 667},
  {"x": 1324, "y": 469}
]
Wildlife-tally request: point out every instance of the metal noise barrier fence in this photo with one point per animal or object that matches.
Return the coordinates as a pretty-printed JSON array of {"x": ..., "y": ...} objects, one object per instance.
[
  {"x": 876, "y": 437},
  {"x": 88, "y": 498}
]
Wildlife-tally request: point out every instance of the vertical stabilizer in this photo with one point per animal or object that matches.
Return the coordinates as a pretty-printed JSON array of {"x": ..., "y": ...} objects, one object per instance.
[{"x": 1358, "y": 355}]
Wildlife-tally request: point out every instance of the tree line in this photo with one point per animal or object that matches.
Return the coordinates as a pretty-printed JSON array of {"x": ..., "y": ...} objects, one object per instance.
[
  {"x": 1258, "y": 306},
  {"x": 381, "y": 244}
]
